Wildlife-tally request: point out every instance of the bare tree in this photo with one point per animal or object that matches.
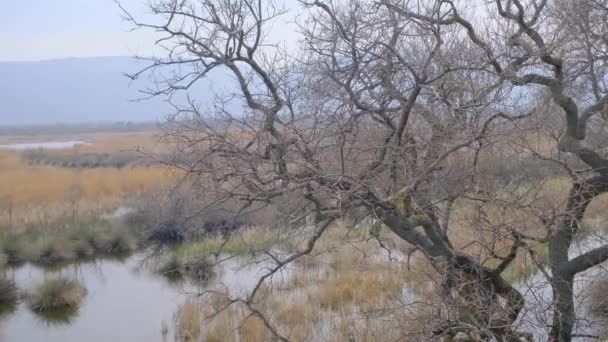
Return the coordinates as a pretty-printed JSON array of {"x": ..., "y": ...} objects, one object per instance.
[
  {"x": 558, "y": 45},
  {"x": 388, "y": 112}
]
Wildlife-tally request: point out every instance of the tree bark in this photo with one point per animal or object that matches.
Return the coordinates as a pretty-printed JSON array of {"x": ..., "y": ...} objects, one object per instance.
[
  {"x": 563, "y": 270},
  {"x": 563, "y": 308}
]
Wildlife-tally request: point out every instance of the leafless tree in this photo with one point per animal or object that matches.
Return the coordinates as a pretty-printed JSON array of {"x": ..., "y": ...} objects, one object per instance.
[{"x": 388, "y": 111}]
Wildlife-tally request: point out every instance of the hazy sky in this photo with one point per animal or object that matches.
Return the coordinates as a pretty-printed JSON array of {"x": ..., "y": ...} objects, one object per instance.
[{"x": 51, "y": 29}]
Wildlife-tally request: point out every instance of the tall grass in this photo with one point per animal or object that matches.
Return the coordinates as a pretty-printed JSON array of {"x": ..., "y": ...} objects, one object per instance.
[
  {"x": 189, "y": 321},
  {"x": 28, "y": 189},
  {"x": 38, "y": 186}
]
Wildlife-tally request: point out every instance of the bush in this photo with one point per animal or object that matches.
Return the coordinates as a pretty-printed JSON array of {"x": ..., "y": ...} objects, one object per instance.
[
  {"x": 199, "y": 269},
  {"x": 173, "y": 216}
]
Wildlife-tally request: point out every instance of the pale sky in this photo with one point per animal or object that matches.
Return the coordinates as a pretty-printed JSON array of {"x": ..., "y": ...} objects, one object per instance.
[{"x": 33, "y": 30}]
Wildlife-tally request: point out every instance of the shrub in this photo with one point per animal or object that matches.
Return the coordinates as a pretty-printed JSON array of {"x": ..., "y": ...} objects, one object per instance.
[{"x": 199, "y": 269}]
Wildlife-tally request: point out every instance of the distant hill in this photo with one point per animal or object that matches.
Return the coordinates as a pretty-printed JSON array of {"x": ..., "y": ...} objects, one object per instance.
[{"x": 82, "y": 91}]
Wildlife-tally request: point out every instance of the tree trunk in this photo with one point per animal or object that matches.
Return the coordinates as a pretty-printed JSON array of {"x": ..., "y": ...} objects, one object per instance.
[
  {"x": 563, "y": 312},
  {"x": 560, "y": 241}
]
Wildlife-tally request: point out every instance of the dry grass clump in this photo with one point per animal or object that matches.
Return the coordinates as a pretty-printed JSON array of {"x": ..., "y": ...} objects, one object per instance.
[
  {"x": 178, "y": 265},
  {"x": 8, "y": 292},
  {"x": 50, "y": 249},
  {"x": 14, "y": 248},
  {"x": 598, "y": 301},
  {"x": 363, "y": 289},
  {"x": 189, "y": 321},
  {"x": 113, "y": 241},
  {"x": 56, "y": 294},
  {"x": 65, "y": 241},
  {"x": 244, "y": 241},
  {"x": 233, "y": 325}
]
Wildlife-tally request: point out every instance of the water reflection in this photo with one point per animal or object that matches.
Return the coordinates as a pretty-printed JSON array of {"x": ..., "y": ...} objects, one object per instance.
[
  {"x": 123, "y": 303},
  {"x": 126, "y": 300},
  {"x": 8, "y": 309},
  {"x": 52, "y": 318}
]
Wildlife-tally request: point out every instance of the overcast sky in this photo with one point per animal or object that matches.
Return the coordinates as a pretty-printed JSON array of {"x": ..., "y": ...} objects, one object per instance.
[
  {"x": 50, "y": 29},
  {"x": 33, "y": 30}
]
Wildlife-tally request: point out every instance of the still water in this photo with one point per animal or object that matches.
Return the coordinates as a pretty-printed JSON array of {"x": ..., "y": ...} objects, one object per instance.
[
  {"x": 51, "y": 145},
  {"x": 123, "y": 303}
]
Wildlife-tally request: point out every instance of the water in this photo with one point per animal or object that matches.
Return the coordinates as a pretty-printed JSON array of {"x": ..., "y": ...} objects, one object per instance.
[
  {"x": 537, "y": 293},
  {"x": 50, "y": 145},
  {"x": 118, "y": 213},
  {"x": 123, "y": 303},
  {"x": 127, "y": 302}
]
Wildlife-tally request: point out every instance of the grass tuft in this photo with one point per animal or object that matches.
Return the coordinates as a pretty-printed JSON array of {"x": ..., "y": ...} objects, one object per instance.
[
  {"x": 55, "y": 294},
  {"x": 115, "y": 241},
  {"x": 13, "y": 248},
  {"x": 178, "y": 265},
  {"x": 51, "y": 249},
  {"x": 8, "y": 291},
  {"x": 61, "y": 242}
]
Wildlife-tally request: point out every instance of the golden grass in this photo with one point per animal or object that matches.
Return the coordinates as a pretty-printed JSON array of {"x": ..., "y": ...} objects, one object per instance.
[
  {"x": 364, "y": 288},
  {"x": 189, "y": 320},
  {"x": 44, "y": 188},
  {"x": 37, "y": 192},
  {"x": 333, "y": 292},
  {"x": 48, "y": 184}
]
